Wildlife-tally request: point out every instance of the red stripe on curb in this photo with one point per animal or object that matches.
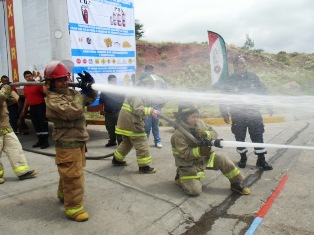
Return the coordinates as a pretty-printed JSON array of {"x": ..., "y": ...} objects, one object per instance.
[{"x": 262, "y": 212}]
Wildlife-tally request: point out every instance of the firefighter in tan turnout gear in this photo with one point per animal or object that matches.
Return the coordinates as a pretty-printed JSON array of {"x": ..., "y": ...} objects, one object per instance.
[
  {"x": 9, "y": 143},
  {"x": 131, "y": 125},
  {"x": 65, "y": 109},
  {"x": 191, "y": 159}
]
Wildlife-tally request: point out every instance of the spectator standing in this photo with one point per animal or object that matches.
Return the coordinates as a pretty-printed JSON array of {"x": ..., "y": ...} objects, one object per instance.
[
  {"x": 35, "y": 100},
  {"x": 246, "y": 117},
  {"x": 14, "y": 107},
  {"x": 9, "y": 142},
  {"x": 152, "y": 124},
  {"x": 111, "y": 104},
  {"x": 65, "y": 108}
]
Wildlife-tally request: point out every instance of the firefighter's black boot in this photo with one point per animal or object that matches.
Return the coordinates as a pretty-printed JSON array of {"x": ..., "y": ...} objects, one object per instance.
[
  {"x": 146, "y": 170},
  {"x": 115, "y": 162},
  {"x": 242, "y": 162},
  {"x": 262, "y": 163},
  {"x": 237, "y": 187},
  {"x": 177, "y": 180}
]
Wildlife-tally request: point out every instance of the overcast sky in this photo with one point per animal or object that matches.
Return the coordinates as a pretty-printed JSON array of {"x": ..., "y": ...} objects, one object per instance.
[{"x": 273, "y": 25}]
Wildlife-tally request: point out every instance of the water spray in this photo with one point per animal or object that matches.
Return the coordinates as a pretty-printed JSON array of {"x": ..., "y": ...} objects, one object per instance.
[{"x": 212, "y": 98}]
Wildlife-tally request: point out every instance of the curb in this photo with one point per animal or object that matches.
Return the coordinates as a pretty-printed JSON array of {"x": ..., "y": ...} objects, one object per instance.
[
  {"x": 220, "y": 121},
  {"x": 210, "y": 121}
]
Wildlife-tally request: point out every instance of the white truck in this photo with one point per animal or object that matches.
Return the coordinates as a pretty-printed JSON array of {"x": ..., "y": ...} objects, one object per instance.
[{"x": 96, "y": 35}]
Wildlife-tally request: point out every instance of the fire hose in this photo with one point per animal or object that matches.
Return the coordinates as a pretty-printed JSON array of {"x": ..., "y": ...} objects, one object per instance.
[
  {"x": 220, "y": 143},
  {"x": 71, "y": 84}
]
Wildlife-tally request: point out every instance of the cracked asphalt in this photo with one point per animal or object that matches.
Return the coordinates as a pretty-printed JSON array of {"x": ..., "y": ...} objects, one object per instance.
[{"x": 121, "y": 201}]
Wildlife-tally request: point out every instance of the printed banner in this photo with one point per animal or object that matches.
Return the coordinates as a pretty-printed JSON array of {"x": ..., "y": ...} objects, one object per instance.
[
  {"x": 218, "y": 58},
  {"x": 103, "y": 39},
  {"x": 12, "y": 40}
]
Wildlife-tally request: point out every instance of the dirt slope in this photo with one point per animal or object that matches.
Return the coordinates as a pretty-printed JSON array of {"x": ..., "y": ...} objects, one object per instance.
[
  {"x": 171, "y": 58},
  {"x": 187, "y": 64}
]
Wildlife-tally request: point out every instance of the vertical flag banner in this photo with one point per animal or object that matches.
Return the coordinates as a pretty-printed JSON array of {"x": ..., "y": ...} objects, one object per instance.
[
  {"x": 218, "y": 58},
  {"x": 12, "y": 41},
  {"x": 102, "y": 36}
]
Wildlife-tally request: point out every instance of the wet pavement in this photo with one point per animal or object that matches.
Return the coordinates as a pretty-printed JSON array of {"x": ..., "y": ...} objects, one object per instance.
[{"x": 122, "y": 201}]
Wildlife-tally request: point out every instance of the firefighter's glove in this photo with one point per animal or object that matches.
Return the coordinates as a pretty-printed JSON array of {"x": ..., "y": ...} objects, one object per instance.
[
  {"x": 201, "y": 134},
  {"x": 6, "y": 91},
  {"x": 85, "y": 81},
  {"x": 205, "y": 150},
  {"x": 86, "y": 78},
  {"x": 85, "y": 86},
  {"x": 155, "y": 113},
  {"x": 217, "y": 143}
]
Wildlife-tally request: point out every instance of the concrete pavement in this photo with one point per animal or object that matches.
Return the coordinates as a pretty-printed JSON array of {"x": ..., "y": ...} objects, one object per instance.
[{"x": 121, "y": 201}]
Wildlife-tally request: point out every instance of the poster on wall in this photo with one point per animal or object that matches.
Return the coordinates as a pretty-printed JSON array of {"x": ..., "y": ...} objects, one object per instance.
[{"x": 102, "y": 36}]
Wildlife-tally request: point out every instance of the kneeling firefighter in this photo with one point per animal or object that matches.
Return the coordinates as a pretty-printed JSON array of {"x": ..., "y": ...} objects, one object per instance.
[
  {"x": 192, "y": 159},
  {"x": 65, "y": 109}
]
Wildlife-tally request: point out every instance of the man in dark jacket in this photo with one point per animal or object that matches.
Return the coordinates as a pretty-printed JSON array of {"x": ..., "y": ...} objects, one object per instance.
[
  {"x": 111, "y": 105},
  {"x": 246, "y": 117}
]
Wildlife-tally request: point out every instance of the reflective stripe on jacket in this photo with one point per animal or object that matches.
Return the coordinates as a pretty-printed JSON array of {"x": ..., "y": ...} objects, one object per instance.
[{"x": 131, "y": 118}]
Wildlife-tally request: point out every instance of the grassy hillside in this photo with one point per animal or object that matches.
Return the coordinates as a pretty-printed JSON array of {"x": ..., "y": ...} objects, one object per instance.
[{"x": 186, "y": 65}]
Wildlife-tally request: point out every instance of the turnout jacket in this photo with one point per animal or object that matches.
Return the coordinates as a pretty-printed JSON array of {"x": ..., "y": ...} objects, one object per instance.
[
  {"x": 131, "y": 118},
  {"x": 65, "y": 108},
  {"x": 5, "y": 126},
  {"x": 185, "y": 151}
]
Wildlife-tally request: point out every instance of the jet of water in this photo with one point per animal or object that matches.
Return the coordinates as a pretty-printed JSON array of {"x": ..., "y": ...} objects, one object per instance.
[{"x": 292, "y": 103}]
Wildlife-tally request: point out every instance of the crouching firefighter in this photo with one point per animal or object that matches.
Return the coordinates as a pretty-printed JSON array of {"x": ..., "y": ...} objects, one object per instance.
[
  {"x": 192, "y": 158},
  {"x": 65, "y": 109}
]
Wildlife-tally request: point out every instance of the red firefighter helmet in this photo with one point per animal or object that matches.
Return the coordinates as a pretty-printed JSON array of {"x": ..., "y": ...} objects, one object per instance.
[{"x": 55, "y": 70}]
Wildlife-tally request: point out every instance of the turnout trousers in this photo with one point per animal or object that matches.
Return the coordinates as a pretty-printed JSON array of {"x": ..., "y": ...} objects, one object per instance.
[
  {"x": 10, "y": 144},
  {"x": 71, "y": 163},
  {"x": 190, "y": 176},
  {"x": 141, "y": 146}
]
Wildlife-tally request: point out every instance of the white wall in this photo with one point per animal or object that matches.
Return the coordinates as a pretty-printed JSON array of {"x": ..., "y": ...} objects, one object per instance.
[
  {"x": 36, "y": 24},
  {"x": 36, "y": 35},
  {"x": 58, "y": 21}
]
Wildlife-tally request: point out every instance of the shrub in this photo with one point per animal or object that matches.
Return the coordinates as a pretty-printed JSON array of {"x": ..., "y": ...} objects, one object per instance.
[
  {"x": 140, "y": 53},
  {"x": 163, "y": 55}
]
